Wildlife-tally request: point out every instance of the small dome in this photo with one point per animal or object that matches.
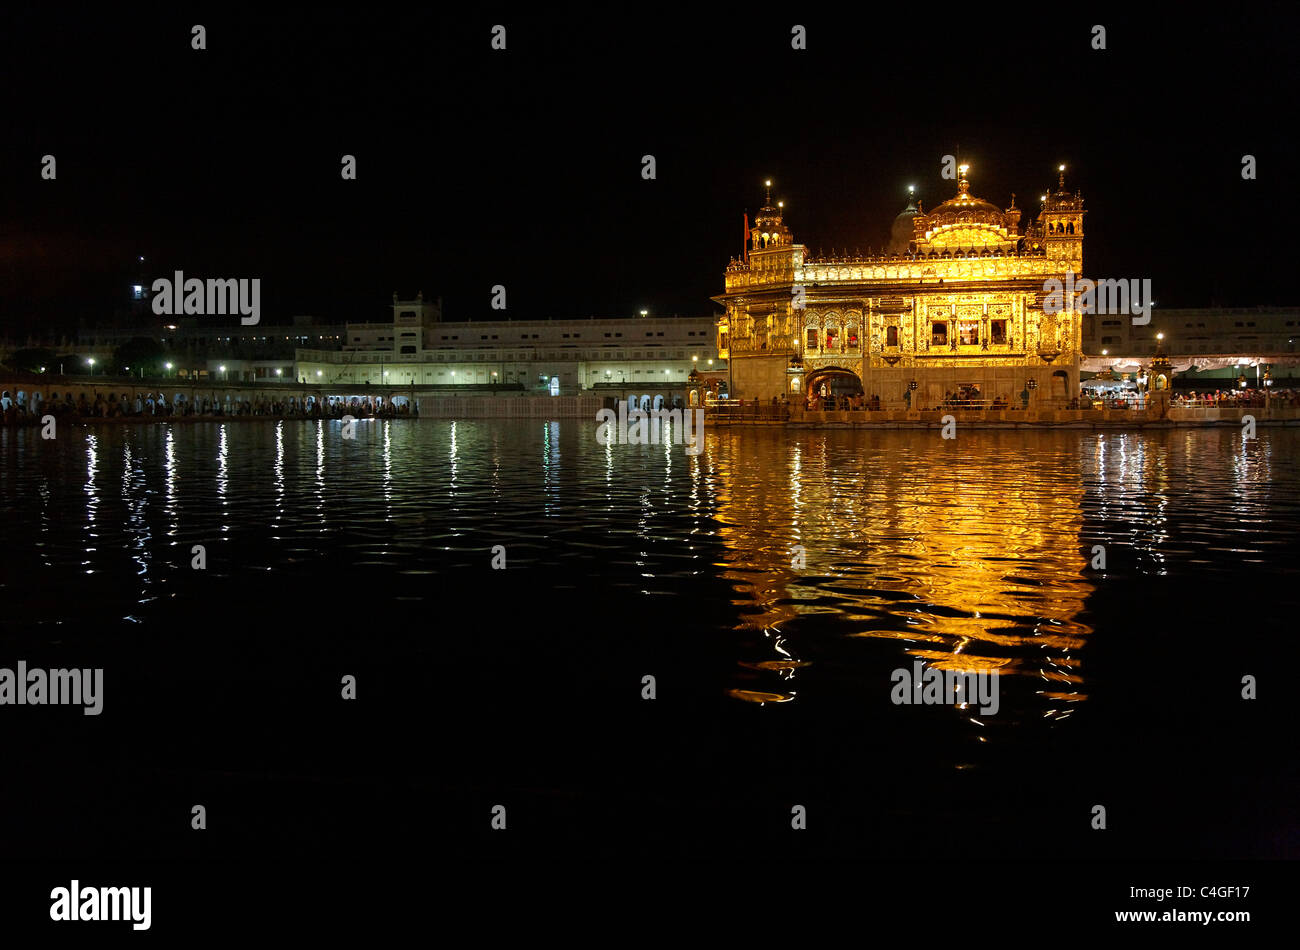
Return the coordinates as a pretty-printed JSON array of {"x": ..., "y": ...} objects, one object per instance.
[{"x": 900, "y": 235}]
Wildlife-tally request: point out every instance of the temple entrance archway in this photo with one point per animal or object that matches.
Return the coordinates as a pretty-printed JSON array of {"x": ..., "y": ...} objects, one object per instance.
[{"x": 832, "y": 381}]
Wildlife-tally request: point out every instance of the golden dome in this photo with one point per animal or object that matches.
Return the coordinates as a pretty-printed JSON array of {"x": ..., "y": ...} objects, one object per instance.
[{"x": 964, "y": 202}]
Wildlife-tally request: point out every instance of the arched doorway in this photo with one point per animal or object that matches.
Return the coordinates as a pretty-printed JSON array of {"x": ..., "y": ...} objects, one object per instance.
[
  {"x": 832, "y": 381},
  {"x": 1064, "y": 378}
]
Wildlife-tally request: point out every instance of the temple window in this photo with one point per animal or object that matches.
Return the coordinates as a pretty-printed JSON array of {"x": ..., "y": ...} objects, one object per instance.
[
  {"x": 939, "y": 334},
  {"x": 853, "y": 337},
  {"x": 812, "y": 338},
  {"x": 969, "y": 332},
  {"x": 998, "y": 332},
  {"x": 830, "y": 338},
  {"x": 891, "y": 336}
]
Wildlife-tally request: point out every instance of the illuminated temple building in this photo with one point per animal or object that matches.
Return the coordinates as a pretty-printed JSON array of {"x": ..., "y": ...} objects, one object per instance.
[{"x": 954, "y": 304}]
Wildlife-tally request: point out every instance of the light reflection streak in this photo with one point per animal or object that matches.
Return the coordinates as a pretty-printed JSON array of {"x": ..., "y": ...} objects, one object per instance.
[
  {"x": 92, "y": 497},
  {"x": 320, "y": 475},
  {"x": 134, "y": 495},
  {"x": 223, "y": 472},
  {"x": 278, "y": 473}
]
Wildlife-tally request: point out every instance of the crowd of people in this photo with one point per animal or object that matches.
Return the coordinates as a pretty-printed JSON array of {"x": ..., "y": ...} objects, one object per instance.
[
  {"x": 832, "y": 402},
  {"x": 1238, "y": 398},
  {"x": 29, "y": 408},
  {"x": 1125, "y": 399}
]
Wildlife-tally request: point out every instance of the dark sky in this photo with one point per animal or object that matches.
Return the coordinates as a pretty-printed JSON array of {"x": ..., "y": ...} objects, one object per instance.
[{"x": 523, "y": 168}]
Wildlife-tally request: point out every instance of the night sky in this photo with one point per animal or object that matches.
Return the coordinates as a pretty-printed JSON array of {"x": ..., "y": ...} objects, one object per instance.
[{"x": 522, "y": 167}]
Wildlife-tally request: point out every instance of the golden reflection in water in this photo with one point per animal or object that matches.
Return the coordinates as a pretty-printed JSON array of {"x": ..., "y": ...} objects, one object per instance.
[{"x": 969, "y": 556}]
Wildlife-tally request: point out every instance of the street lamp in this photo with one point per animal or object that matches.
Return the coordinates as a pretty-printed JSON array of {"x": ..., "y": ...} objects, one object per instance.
[
  {"x": 644, "y": 312},
  {"x": 91, "y": 363}
]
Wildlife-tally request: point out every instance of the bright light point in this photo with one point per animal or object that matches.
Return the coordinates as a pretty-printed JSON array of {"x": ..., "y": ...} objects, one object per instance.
[
  {"x": 1160, "y": 336},
  {"x": 319, "y": 373},
  {"x": 1061, "y": 168},
  {"x": 169, "y": 366},
  {"x": 780, "y": 204},
  {"x": 222, "y": 368},
  {"x": 768, "y": 183}
]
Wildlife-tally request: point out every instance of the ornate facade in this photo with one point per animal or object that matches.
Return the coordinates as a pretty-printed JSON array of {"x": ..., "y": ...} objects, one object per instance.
[{"x": 954, "y": 304}]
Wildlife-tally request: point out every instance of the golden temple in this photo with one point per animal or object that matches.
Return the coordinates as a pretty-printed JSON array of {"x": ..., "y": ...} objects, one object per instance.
[{"x": 954, "y": 304}]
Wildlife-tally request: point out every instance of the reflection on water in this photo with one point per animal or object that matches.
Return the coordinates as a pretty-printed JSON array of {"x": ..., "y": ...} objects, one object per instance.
[{"x": 968, "y": 554}]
